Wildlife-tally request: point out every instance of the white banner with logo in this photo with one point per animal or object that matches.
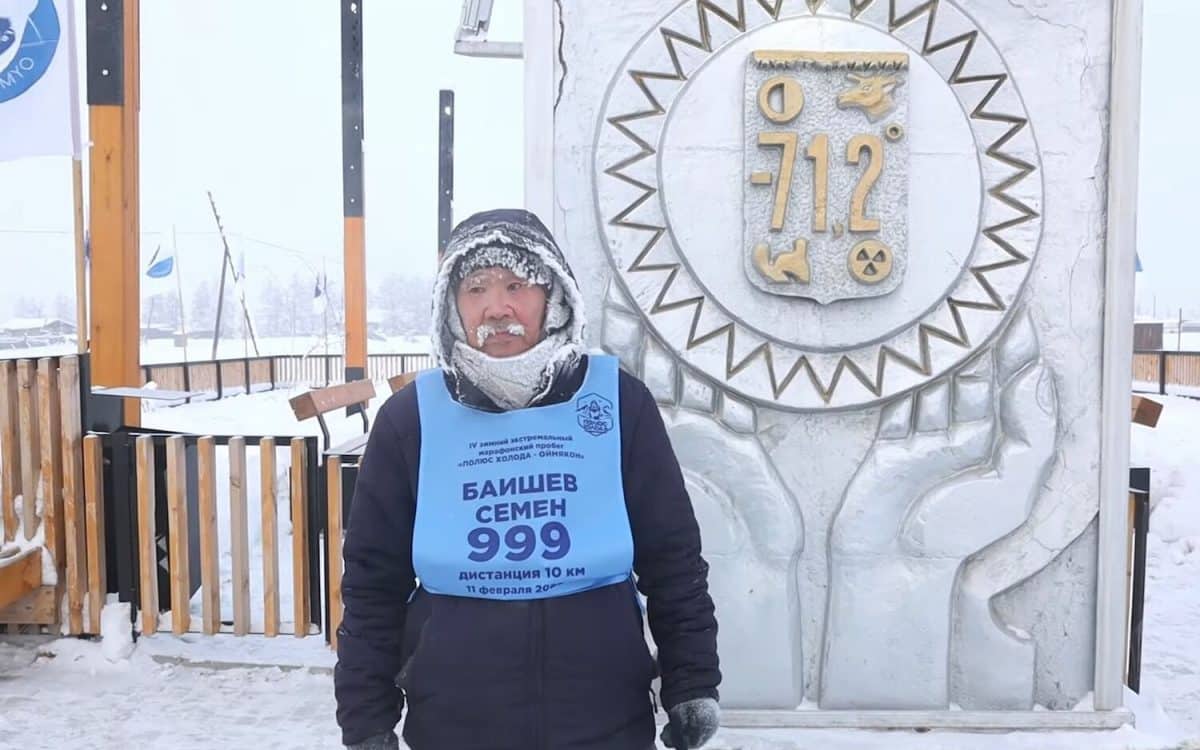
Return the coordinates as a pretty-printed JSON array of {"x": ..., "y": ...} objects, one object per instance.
[{"x": 38, "y": 110}]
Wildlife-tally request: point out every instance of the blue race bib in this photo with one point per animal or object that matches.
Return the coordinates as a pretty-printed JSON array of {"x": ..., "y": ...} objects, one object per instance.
[{"x": 525, "y": 504}]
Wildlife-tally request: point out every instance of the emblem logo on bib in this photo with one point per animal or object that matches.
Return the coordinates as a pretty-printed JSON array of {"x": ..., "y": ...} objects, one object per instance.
[{"x": 595, "y": 414}]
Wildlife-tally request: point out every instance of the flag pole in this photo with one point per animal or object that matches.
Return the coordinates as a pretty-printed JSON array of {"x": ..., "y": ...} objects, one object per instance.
[
  {"x": 179, "y": 289},
  {"x": 81, "y": 302},
  {"x": 82, "y": 334}
]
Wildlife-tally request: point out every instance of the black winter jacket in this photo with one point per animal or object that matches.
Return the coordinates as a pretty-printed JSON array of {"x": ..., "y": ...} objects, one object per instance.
[{"x": 568, "y": 673}]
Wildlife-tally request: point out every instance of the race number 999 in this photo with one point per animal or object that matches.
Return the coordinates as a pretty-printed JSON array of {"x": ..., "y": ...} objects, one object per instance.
[{"x": 520, "y": 543}]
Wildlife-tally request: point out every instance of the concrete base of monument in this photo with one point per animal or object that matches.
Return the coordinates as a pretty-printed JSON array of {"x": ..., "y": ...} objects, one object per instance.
[{"x": 965, "y": 721}]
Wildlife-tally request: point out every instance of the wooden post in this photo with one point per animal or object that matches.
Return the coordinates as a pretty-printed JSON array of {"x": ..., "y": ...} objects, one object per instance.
[
  {"x": 81, "y": 306},
  {"x": 333, "y": 469},
  {"x": 10, "y": 454},
  {"x": 239, "y": 536},
  {"x": 93, "y": 483},
  {"x": 177, "y": 541},
  {"x": 74, "y": 510},
  {"x": 270, "y": 539},
  {"x": 31, "y": 449},
  {"x": 50, "y": 429},
  {"x": 300, "y": 599},
  {"x": 147, "y": 544},
  {"x": 210, "y": 573},
  {"x": 353, "y": 192},
  {"x": 113, "y": 89}
]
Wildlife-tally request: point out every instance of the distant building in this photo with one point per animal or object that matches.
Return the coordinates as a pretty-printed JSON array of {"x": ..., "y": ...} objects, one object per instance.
[
  {"x": 150, "y": 333},
  {"x": 1147, "y": 336},
  {"x": 31, "y": 332}
]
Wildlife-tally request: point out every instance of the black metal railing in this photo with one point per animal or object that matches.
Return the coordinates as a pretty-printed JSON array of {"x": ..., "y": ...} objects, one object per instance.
[{"x": 227, "y": 377}]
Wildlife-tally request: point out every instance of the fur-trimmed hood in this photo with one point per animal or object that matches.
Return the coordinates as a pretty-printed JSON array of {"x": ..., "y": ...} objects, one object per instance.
[{"x": 493, "y": 231}]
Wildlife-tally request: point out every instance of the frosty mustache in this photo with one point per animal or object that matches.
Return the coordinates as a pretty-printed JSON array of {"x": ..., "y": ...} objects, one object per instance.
[{"x": 486, "y": 331}]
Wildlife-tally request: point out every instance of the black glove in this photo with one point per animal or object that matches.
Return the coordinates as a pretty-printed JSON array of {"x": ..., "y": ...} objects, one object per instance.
[
  {"x": 692, "y": 724},
  {"x": 378, "y": 742}
]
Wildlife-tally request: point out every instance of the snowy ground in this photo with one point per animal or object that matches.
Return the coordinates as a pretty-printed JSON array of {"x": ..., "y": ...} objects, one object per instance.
[
  {"x": 197, "y": 692},
  {"x": 1171, "y": 644}
]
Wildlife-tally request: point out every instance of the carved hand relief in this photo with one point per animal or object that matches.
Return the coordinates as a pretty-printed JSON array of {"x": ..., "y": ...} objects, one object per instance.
[
  {"x": 824, "y": 206},
  {"x": 753, "y": 543},
  {"x": 821, "y": 205},
  {"x": 953, "y": 468},
  {"x": 752, "y": 524},
  {"x": 826, "y": 170}
]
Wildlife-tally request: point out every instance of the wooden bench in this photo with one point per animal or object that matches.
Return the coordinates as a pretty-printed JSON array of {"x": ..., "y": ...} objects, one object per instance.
[
  {"x": 1145, "y": 411},
  {"x": 317, "y": 403},
  {"x": 397, "y": 382},
  {"x": 20, "y": 574},
  {"x": 149, "y": 394}
]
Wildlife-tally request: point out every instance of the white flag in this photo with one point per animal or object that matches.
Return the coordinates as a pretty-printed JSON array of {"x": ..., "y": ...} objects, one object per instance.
[{"x": 38, "y": 110}]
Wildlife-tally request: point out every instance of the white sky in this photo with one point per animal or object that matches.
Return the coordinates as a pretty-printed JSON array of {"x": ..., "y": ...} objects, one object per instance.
[
  {"x": 1170, "y": 167},
  {"x": 255, "y": 117},
  {"x": 244, "y": 99}
]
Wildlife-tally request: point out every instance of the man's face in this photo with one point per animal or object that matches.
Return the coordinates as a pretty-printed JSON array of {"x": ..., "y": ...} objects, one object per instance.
[{"x": 501, "y": 312}]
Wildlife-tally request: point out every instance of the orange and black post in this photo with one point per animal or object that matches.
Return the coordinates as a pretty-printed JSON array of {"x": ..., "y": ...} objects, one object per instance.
[
  {"x": 355, "y": 261},
  {"x": 113, "y": 93}
]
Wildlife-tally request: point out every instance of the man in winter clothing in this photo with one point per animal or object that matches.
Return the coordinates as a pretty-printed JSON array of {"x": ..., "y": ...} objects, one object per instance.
[{"x": 525, "y": 485}]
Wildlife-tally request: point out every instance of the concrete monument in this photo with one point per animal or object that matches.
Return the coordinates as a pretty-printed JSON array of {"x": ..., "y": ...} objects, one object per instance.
[{"x": 857, "y": 249}]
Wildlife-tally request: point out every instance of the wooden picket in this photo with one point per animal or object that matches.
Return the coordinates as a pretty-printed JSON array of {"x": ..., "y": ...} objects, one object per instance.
[
  {"x": 210, "y": 574},
  {"x": 239, "y": 536},
  {"x": 177, "y": 536},
  {"x": 270, "y": 539},
  {"x": 97, "y": 581},
  {"x": 51, "y": 460},
  {"x": 30, "y": 445},
  {"x": 73, "y": 502},
  {"x": 147, "y": 546},
  {"x": 299, "y": 486},
  {"x": 10, "y": 456}
]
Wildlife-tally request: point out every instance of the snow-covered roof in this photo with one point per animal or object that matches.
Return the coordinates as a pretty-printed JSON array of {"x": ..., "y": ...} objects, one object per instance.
[{"x": 33, "y": 324}]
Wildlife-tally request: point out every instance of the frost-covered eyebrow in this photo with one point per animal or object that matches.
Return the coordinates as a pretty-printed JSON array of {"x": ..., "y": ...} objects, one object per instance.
[{"x": 485, "y": 275}]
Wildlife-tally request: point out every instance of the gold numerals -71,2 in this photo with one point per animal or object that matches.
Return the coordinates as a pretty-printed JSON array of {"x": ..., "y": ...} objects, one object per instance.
[{"x": 818, "y": 153}]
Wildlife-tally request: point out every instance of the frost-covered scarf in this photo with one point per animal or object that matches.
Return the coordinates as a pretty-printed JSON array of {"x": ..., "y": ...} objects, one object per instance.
[{"x": 517, "y": 241}]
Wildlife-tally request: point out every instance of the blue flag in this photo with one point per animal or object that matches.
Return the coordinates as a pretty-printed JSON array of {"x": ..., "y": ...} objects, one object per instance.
[{"x": 160, "y": 268}]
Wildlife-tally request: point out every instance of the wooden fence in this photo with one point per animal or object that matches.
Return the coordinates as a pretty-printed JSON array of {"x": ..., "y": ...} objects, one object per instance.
[
  {"x": 1167, "y": 372},
  {"x": 48, "y": 495},
  {"x": 212, "y": 620},
  {"x": 53, "y": 503},
  {"x": 235, "y": 376}
]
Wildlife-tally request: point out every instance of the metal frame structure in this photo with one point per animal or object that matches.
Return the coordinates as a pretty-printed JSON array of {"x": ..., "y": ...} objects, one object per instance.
[
  {"x": 445, "y": 167},
  {"x": 471, "y": 39},
  {"x": 1139, "y": 495}
]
